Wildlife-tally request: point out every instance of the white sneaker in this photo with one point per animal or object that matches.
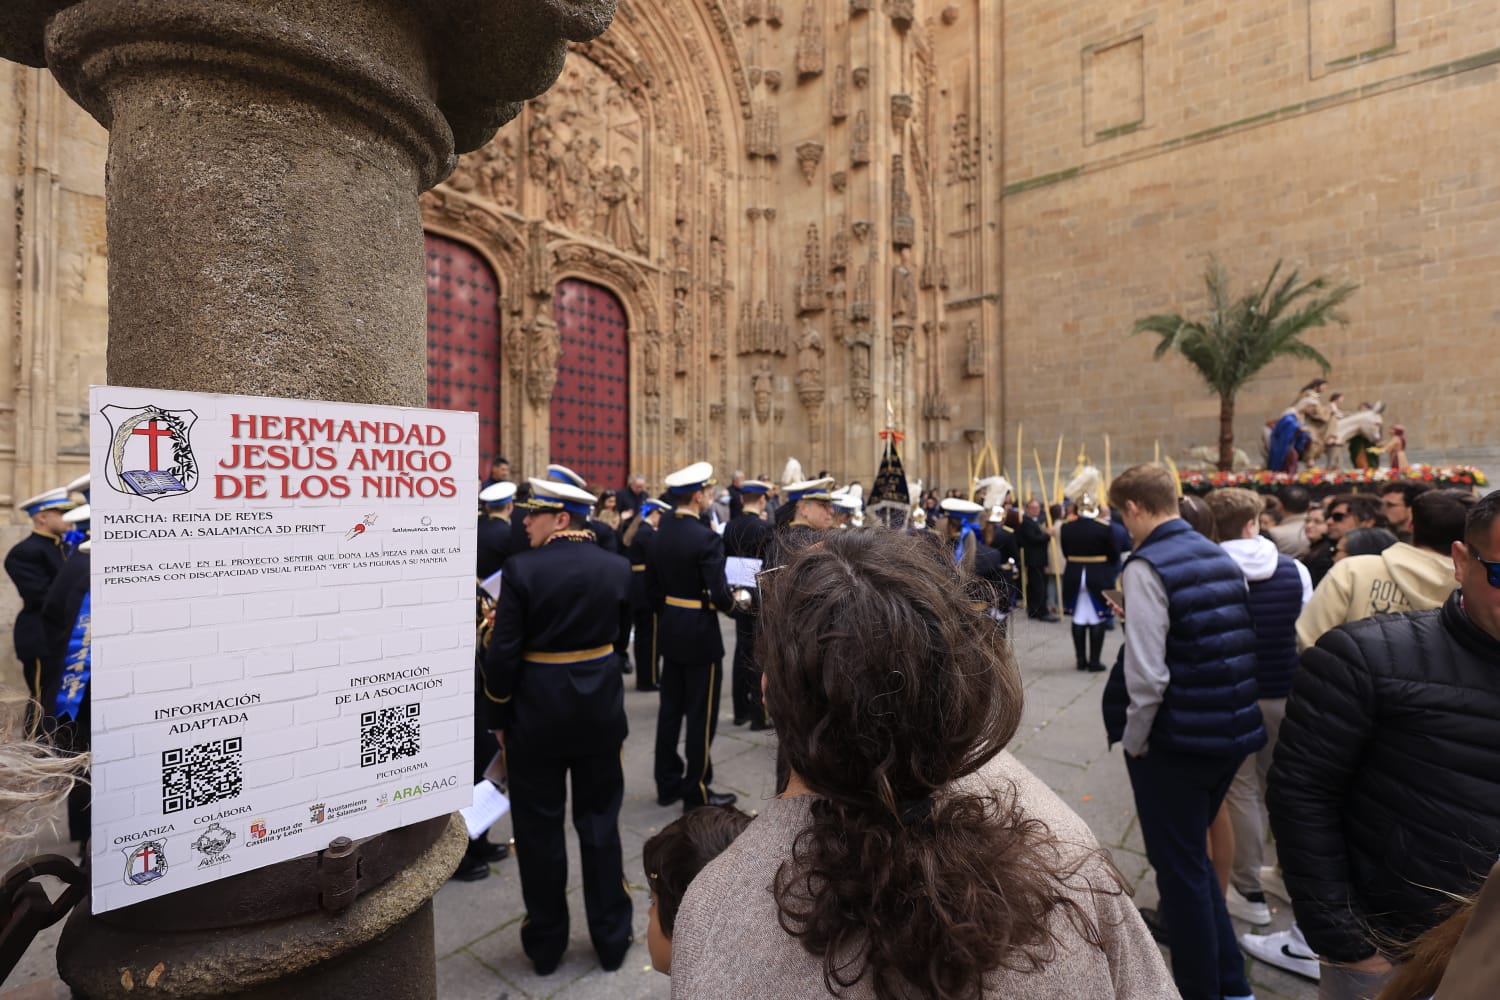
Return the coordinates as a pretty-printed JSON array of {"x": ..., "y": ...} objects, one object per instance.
[
  {"x": 1271, "y": 882},
  {"x": 1285, "y": 950},
  {"x": 1247, "y": 910}
]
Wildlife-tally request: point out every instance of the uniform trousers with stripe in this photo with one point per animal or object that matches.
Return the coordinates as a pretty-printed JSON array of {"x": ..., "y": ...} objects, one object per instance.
[
  {"x": 538, "y": 794},
  {"x": 689, "y": 693},
  {"x": 745, "y": 676},
  {"x": 647, "y": 662}
]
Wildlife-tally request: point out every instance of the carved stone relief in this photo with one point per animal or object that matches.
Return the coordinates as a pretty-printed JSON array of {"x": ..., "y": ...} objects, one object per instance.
[
  {"x": 809, "y": 155},
  {"x": 810, "y": 45},
  {"x": 859, "y": 140},
  {"x": 901, "y": 110},
  {"x": 809, "y": 360},
  {"x": 809, "y": 292},
  {"x": 762, "y": 385},
  {"x": 973, "y": 351},
  {"x": 903, "y": 224},
  {"x": 839, "y": 100},
  {"x": 545, "y": 349}
]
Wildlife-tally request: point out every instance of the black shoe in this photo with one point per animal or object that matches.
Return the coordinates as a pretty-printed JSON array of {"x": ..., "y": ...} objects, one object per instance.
[
  {"x": 611, "y": 962},
  {"x": 1156, "y": 925},
  {"x": 761, "y": 725},
  {"x": 1097, "y": 668},
  {"x": 470, "y": 869},
  {"x": 667, "y": 798},
  {"x": 545, "y": 967},
  {"x": 490, "y": 853},
  {"x": 740, "y": 720},
  {"x": 713, "y": 800},
  {"x": 647, "y": 687},
  {"x": 1048, "y": 618}
]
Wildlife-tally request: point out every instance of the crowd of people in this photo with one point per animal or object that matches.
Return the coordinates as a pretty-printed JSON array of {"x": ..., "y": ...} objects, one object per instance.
[{"x": 1317, "y": 674}]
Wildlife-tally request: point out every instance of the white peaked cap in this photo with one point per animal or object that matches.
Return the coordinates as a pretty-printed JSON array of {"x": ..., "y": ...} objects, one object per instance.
[{"x": 501, "y": 492}]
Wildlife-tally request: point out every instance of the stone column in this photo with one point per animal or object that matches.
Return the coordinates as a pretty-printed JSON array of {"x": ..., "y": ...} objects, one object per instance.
[{"x": 265, "y": 160}]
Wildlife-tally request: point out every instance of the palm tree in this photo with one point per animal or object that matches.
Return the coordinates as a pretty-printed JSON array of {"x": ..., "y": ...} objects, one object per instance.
[{"x": 1240, "y": 336}]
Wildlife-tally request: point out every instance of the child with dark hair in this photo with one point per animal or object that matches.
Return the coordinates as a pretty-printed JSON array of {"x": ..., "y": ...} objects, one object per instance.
[{"x": 673, "y": 858}]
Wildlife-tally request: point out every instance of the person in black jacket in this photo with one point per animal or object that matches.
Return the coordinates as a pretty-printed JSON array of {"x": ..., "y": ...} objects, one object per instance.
[
  {"x": 748, "y": 536},
  {"x": 1384, "y": 792},
  {"x": 1093, "y": 564},
  {"x": 557, "y": 706},
  {"x": 1035, "y": 539},
  {"x": 640, "y": 539},
  {"x": 685, "y": 581},
  {"x": 494, "y": 528},
  {"x": 975, "y": 559},
  {"x": 32, "y": 564}
]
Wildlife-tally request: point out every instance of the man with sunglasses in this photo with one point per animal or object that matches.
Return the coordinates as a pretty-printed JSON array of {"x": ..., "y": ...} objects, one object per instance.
[
  {"x": 1408, "y": 576},
  {"x": 1385, "y": 790},
  {"x": 1344, "y": 513}
]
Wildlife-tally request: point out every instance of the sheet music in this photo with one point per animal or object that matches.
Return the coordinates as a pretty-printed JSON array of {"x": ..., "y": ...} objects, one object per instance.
[{"x": 740, "y": 572}]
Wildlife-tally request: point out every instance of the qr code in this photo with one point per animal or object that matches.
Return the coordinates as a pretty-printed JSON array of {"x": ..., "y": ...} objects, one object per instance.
[
  {"x": 387, "y": 734},
  {"x": 201, "y": 775}
]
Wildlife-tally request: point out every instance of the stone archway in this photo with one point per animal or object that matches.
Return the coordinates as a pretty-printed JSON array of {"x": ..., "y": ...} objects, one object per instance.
[{"x": 589, "y": 413}]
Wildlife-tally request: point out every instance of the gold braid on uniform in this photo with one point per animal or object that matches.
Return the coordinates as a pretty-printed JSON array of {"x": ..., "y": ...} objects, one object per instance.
[
  {"x": 573, "y": 535},
  {"x": 483, "y": 603}
]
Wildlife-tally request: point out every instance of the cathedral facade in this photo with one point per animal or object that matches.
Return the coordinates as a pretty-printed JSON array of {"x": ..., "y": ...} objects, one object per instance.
[{"x": 746, "y": 230}]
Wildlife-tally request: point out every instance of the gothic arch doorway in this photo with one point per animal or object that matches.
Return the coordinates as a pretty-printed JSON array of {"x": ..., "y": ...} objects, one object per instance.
[
  {"x": 589, "y": 417},
  {"x": 463, "y": 338}
]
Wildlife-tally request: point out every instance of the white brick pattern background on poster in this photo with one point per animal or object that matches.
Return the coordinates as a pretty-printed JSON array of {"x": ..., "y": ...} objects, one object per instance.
[{"x": 300, "y": 631}]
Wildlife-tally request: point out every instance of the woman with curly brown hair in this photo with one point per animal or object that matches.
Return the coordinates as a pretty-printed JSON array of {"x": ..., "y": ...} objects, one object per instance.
[{"x": 909, "y": 855}]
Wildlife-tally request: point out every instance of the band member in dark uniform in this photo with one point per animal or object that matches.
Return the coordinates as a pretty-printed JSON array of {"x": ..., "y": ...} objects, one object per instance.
[
  {"x": 806, "y": 513},
  {"x": 32, "y": 564},
  {"x": 1002, "y": 538},
  {"x": 977, "y": 560},
  {"x": 685, "y": 580},
  {"x": 1093, "y": 563},
  {"x": 748, "y": 536},
  {"x": 640, "y": 540},
  {"x": 494, "y": 527},
  {"x": 66, "y": 622},
  {"x": 606, "y": 536},
  {"x": 557, "y": 704}
]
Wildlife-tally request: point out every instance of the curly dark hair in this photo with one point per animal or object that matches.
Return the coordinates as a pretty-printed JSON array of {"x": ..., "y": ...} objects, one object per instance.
[
  {"x": 887, "y": 688},
  {"x": 675, "y": 856}
]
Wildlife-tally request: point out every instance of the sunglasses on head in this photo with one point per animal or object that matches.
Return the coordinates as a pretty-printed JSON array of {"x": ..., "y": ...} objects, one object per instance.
[{"x": 1491, "y": 569}]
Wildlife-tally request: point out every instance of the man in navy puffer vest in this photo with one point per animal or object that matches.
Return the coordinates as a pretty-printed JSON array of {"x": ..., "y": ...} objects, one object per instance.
[
  {"x": 1280, "y": 588},
  {"x": 1185, "y": 708}
]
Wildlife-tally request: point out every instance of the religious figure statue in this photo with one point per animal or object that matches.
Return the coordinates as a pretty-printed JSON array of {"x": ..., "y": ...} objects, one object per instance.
[
  {"x": 904, "y": 289},
  {"x": 761, "y": 384},
  {"x": 681, "y": 335},
  {"x": 546, "y": 349},
  {"x": 973, "y": 351},
  {"x": 651, "y": 354},
  {"x": 809, "y": 356},
  {"x": 620, "y": 226},
  {"x": 495, "y": 172}
]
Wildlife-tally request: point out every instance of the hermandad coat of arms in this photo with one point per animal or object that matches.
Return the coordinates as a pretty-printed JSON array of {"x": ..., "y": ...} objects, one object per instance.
[{"x": 150, "y": 452}]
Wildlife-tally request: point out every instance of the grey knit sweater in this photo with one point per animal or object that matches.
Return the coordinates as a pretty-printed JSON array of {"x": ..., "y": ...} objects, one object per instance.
[{"x": 728, "y": 945}]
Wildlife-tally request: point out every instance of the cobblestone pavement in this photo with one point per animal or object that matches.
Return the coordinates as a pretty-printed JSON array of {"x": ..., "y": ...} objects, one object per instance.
[{"x": 478, "y": 924}]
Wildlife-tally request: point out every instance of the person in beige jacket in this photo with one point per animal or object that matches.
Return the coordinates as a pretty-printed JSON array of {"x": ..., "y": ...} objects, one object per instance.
[
  {"x": 1403, "y": 578},
  {"x": 909, "y": 855}
]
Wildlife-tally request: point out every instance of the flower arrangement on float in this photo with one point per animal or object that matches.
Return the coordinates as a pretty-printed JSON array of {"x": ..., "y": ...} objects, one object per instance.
[{"x": 1325, "y": 481}]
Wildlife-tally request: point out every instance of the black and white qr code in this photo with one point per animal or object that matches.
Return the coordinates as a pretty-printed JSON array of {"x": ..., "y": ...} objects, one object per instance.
[
  {"x": 387, "y": 734},
  {"x": 201, "y": 775}
]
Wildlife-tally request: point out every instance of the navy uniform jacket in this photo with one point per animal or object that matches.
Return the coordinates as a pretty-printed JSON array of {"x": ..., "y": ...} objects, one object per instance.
[
  {"x": 604, "y": 535},
  {"x": 1093, "y": 560},
  {"x": 685, "y": 582},
  {"x": 748, "y": 537},
  {"x": 33, "y": 563},
  {"x": 494, "y": 545},
  {"x": 641, "y": 546},
  {"x": 551, "y": 673},
  {"x": 59, "y": 615}
]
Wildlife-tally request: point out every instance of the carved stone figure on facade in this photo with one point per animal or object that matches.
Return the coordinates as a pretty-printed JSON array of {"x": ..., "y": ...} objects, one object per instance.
[
  {"x": 540, "y": 156},
  {"x": 902, "y": 13},
  {"x": 762, "y": 383},
  {"x": 682, "y": 335},
  {"x": 761, "y": 341},
  {"x": 903, "y": 289},
  {"x": 809, "y": 356},
  {"x": 901, "y": 110},
  {"x": 496, "y": 171},
  {"x": 546, "y": 349},
  {"x": 779, "y": 331},
  {"x": 862, "y": 306},
  {"x": 810, "y": 274},
  {"x": 620, "y": 225},
  {"x": 859, "y": 139},
  {"x": 538, "y": 271},
  {"x": 810, "y": 41},
  {"x": 838, "y": 103},
  {"x": 651, "y": 357},
  {"x": 973, "y": 351},
  {"x": 838, "y": 246}
]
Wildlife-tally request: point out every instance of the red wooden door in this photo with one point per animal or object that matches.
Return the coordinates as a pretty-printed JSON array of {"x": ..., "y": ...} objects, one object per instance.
[
  {"x": 463, "y": 338},
  {"x": 590, "y": 412}
]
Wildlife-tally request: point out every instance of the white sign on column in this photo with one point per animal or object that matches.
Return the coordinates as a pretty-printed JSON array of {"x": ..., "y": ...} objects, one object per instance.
[{"x": 282, "y": 625}]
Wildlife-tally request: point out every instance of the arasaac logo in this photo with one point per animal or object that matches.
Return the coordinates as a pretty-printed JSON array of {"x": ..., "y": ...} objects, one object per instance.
[
  {"x": 145, "y": 863},
  {"x": 415, "y": 791},
  {"x": 213, "y": 844},
  {"x": 150, "y": 453}
]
